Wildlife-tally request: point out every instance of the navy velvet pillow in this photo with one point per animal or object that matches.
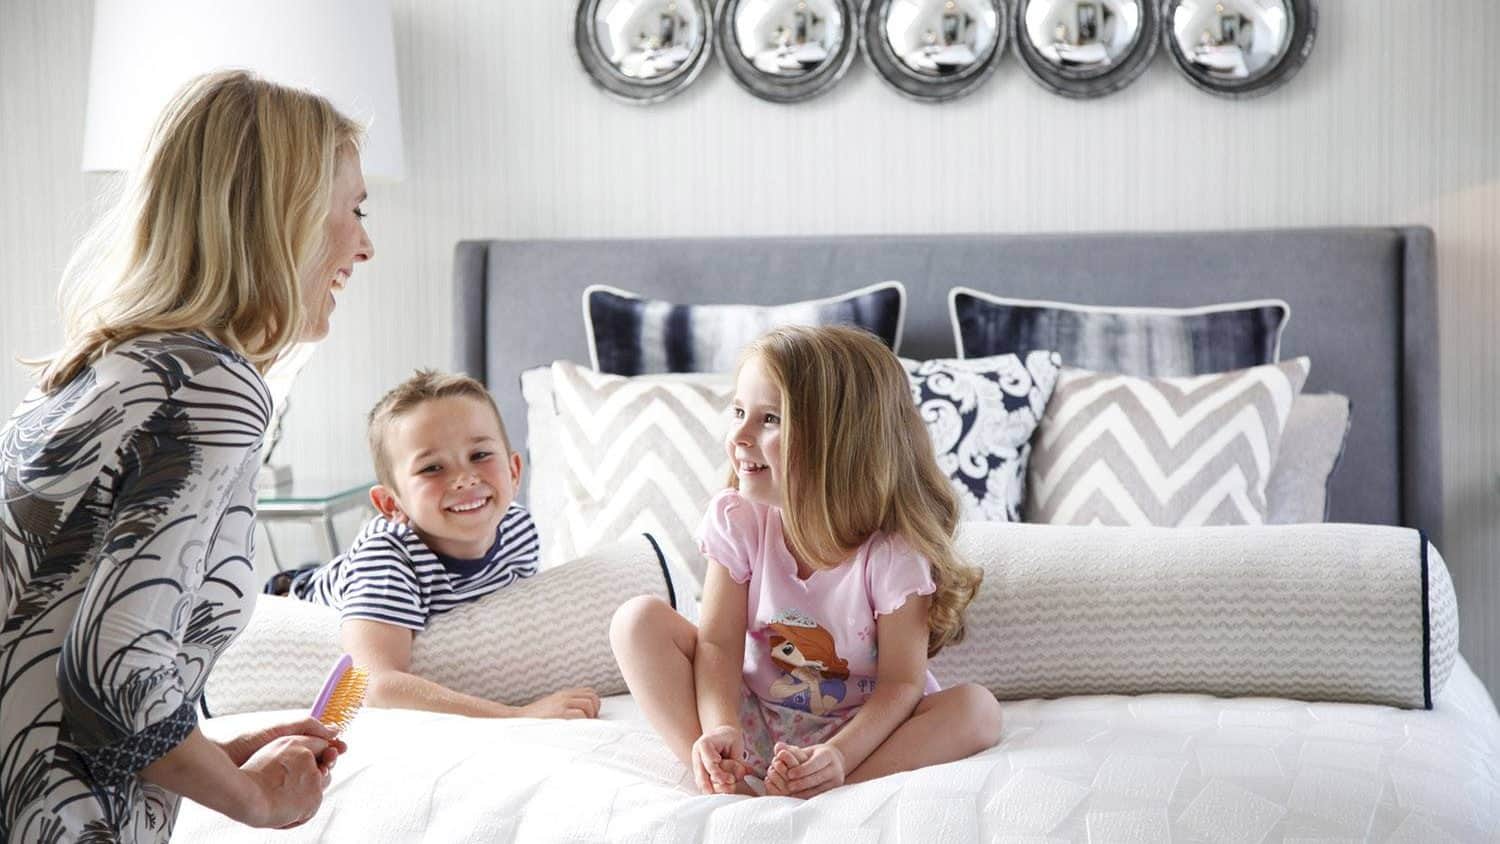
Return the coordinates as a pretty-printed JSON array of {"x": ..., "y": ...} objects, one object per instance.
[
  {"x": 629, "y": 335},
  {"x": 1153, "y": 342}
]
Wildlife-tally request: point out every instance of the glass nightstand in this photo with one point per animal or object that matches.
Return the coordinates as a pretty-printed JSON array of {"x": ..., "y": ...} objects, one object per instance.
[{"x": 315, "y": 502}]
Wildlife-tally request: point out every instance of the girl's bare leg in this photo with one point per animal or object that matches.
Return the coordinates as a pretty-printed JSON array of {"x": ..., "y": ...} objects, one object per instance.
[
  {"x": 946, "y": 726},
  {"x": 654, "y": 647}
]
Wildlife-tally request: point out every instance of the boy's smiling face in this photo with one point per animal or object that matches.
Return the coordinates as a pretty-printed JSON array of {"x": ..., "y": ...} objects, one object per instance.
[{"x": 454, "y": 477}]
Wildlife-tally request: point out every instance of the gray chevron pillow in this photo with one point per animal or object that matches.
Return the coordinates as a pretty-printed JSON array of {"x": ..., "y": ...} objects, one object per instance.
[
  {"x": 1171, "y": 452},
  {"x": 612, "y": 456}
]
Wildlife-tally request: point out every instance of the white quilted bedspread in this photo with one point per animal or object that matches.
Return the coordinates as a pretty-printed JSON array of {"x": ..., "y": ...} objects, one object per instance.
[{"x": 1107, "y": 768}]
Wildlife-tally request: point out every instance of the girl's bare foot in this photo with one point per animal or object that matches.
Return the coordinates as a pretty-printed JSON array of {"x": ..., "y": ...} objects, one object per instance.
[{"x": 750, "y": 786}]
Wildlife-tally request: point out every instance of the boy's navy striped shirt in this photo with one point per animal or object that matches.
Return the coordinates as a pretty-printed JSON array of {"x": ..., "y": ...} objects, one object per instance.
[{"x": 390, "y": 575}]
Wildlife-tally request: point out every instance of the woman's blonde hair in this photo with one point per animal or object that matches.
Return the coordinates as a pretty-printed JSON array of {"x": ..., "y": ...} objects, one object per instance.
[
  {"x": 215, "y": 231},
  {"x": 859, "y": 460}
]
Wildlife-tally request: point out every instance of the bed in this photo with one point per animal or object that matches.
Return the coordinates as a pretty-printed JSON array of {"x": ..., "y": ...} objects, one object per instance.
[{"x": 1152, "y": 767}]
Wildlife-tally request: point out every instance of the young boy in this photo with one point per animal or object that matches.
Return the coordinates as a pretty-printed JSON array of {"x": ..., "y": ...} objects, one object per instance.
[{"x": 449, "y": 532}]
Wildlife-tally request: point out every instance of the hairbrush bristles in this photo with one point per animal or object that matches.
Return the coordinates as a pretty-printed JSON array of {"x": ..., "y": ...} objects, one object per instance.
[{"x": 343, "y": 693}]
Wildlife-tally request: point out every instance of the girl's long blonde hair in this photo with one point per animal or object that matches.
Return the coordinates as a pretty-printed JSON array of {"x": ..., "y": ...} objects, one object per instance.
[
  {"x": 859, "y": 460},
  {"x": 215, "y": 231}
]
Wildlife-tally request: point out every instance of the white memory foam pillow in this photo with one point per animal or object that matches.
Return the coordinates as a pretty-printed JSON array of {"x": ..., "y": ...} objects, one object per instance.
[
  {"x": 1332, "y": 612},
  {"x": 547, "y": 632},
  {"x": 1356, "y": 613}
]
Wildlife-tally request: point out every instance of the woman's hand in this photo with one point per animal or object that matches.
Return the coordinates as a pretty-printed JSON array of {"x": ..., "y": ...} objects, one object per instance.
[
  {"x": 241, "y": 748},
  {"x": 805, "y": 771},
  {"x": 287, "y": 781},
  {"x": 568, "y": 703},
  {"x": 718, "y": 765}
]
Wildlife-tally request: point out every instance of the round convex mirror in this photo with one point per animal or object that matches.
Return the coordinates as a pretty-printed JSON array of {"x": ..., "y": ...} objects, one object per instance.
[
  {"x": 643, "y": 51},
  {"x": 1086, "y": 48},
  {"x": 1240, "y": 48},
  {"x": 934, "y": 50},
  {"x": 787, "y": 50}
]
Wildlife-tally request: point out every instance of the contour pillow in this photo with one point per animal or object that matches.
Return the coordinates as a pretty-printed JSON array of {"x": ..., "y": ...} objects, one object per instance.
[
  {"x": 1332, "y": 612},
  {"x": 547, "y": 632}
]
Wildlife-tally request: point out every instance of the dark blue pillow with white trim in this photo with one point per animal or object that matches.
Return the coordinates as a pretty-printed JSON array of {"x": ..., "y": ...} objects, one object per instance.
[
  {"x": 630, "y": 335},
  {"x": 1148, "y": 342}
]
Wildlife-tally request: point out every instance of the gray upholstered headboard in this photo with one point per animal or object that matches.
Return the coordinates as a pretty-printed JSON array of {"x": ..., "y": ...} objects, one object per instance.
[{"x": 1364, "y": 308}]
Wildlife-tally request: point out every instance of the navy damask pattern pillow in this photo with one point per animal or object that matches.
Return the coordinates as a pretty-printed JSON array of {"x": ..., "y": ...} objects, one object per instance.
[
  {"x": 629, "y": 335},
  {"x": 981, "y": 413},
  {"x": 1149, "y": 342}
]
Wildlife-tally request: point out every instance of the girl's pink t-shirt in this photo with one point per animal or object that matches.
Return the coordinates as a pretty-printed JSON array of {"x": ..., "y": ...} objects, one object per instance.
[{"x": 810, "y": 644}]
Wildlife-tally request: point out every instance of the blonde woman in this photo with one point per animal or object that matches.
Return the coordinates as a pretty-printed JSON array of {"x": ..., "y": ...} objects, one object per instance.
[
  {"x": 129, "y": 472},
  {"x": 832, "y": 579}
]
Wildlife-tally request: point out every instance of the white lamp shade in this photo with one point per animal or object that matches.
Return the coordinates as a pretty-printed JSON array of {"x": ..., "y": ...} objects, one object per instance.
[{"x": 145, "y": 50}]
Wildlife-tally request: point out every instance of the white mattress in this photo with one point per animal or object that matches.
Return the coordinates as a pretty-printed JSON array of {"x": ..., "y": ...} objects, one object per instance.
[{"x": 1107, "y": 768}]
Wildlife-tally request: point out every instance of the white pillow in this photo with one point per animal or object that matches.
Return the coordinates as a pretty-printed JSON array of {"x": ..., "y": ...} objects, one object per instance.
[
  {"x": 1311, "y": 446},
  {"x": 547, "y": 632},
  {"x": 1337, "y": 612},
  {"x": 1359, "y": 613},
  {"x": 544, "y": 490}
]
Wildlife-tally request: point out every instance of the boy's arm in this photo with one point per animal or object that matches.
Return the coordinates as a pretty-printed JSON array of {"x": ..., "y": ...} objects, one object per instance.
[
  {"x": 720, "y": 658},
  {"x": 385, "y": 651}
]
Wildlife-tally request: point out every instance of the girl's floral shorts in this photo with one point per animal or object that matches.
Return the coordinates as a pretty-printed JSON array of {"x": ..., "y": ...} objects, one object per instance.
[{"x": 764, "y": 724}]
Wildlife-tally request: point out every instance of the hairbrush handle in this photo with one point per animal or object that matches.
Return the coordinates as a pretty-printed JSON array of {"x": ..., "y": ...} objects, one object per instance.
[{"x": 340, "y": 668}]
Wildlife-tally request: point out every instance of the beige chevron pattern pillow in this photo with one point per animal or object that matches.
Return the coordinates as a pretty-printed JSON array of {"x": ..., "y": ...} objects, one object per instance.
[
  {"x": 1171, "y": 452},
  {"x": 613, "y": 456},
  {"x": 1341, "y": 612},
  {"x": 547, "y": 632}
]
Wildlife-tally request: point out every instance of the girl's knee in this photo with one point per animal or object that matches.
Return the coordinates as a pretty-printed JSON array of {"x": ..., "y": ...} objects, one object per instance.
[
  {"x": 637, "y": 616},
  {"x": 982, "y": 710}
]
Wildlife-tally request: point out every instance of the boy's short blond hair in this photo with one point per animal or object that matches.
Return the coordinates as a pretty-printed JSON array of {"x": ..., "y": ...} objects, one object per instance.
[{"x": 423, "y": 386}]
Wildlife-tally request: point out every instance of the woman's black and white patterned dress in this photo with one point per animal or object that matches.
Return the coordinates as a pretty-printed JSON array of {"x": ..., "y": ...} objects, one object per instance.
[{"x": 128, "y": 518}]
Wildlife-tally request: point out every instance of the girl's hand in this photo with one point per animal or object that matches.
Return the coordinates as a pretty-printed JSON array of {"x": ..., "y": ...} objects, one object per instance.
[
  {"x": 288, "y": 781},
  {"x": 717, "y": 760},
  {"x": 805, "y": 771},
  {"x": 786, "y": 758},
  {"x": 241, "y": 748}
]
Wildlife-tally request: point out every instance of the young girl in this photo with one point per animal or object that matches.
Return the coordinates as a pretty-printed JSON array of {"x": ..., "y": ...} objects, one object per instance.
[{"x": 832, "y": 580}]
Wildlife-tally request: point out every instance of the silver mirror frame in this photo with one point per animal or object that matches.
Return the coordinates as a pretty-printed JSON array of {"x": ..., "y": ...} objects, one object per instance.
[
  {"x": 623, "y": 88},
  {"x": 1088, "y": 86},
  {"x": 890, "y": 67},
  {"x": 778, "y": 89},
  {"x": 1299, "y": 46}
]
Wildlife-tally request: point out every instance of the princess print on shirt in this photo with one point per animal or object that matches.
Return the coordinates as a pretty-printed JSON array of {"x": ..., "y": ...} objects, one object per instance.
[{"x": 814, "y": 675}]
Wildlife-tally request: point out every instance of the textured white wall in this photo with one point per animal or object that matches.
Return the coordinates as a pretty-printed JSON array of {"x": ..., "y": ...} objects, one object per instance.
[{"x": 1394, "y": 119}]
